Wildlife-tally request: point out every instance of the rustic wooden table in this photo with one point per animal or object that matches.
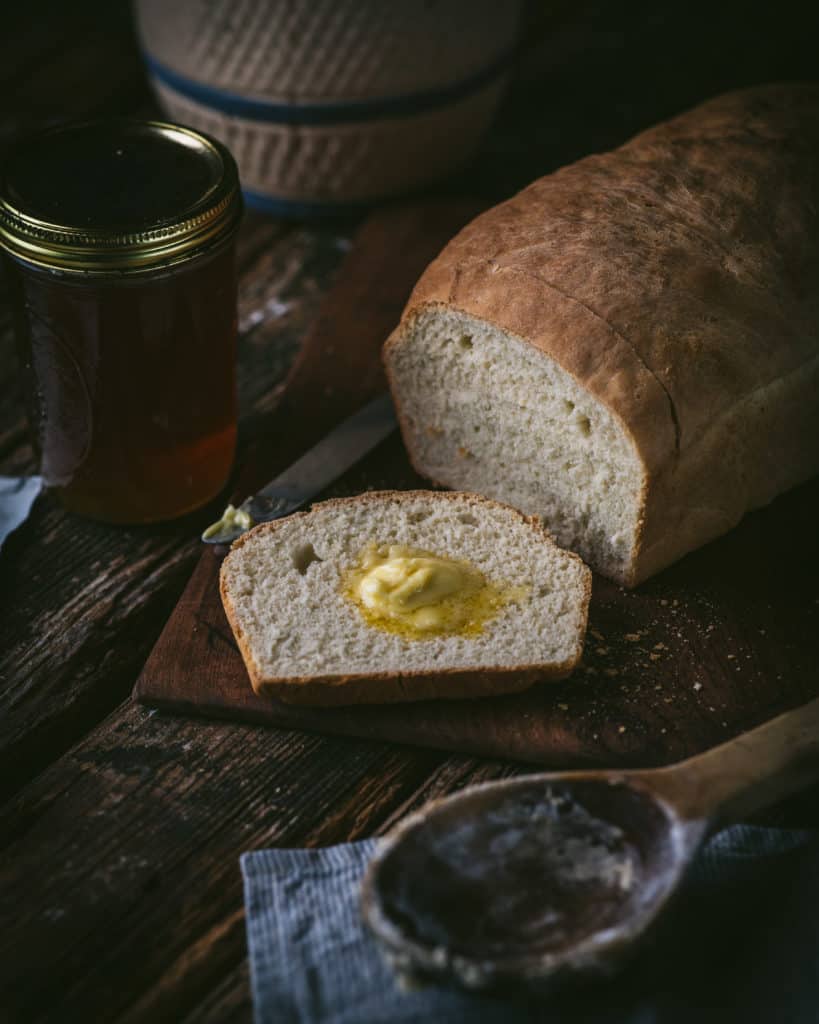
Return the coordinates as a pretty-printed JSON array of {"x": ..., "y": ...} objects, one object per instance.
[{"x": 122, "y": 828}]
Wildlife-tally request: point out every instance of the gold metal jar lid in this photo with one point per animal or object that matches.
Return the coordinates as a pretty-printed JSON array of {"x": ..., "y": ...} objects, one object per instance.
[{"x": 117, "y": 196}]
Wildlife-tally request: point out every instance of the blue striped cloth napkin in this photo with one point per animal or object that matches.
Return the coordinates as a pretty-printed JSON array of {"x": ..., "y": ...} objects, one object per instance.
[
  {"x": 742, "y": 945},
  {"x": 17, "y": 494}
]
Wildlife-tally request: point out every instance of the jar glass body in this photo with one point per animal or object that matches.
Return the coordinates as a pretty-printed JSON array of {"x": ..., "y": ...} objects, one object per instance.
[{"x": 131, "y": 383}]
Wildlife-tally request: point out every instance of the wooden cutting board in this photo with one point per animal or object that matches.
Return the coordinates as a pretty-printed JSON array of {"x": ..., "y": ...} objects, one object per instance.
[{"x": 716, "y": 644}]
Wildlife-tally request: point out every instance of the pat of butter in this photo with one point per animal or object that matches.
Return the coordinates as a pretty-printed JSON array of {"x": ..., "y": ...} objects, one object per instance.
[
  {"x": 420, "y": 594},
  {"x": 232, "y": 518},
  {"x": 404, "y": 583}
]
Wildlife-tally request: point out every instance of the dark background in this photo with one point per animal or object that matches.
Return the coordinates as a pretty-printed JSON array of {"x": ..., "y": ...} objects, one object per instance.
[
  {"x": 591, "y": 75},
  {"x": 120, "y": 831}
]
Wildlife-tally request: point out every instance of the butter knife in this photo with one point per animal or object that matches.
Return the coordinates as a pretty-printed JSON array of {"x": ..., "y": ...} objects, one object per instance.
[{"x": 350, "y": 441}]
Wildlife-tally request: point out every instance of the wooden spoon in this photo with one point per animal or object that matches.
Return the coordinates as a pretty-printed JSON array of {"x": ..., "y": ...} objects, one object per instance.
[{"x": 534, "y": 880}]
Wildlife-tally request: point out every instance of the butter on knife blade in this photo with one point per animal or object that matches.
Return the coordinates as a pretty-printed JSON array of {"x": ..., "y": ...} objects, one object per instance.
[
  {"x": 325, "y": 462},
  {"x": 232, "y": 518}
]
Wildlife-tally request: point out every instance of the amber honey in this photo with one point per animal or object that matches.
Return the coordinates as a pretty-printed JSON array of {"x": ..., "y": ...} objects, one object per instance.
[
  {"x": 131, "y": 387},
  {"x": 126, "y": 321}
]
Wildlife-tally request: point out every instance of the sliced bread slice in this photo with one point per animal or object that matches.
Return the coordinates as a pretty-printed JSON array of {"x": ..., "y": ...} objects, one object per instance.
[{"x": 285, "y": 589}]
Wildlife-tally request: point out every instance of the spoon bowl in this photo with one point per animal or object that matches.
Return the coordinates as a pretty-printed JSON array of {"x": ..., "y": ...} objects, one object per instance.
[{"x": 533, "y": 881}]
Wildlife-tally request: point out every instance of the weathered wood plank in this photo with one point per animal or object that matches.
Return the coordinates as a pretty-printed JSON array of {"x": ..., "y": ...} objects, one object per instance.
[
  {"x": 136, "y": 833},
  {"x": 81, "y": 603},
  {"x": 228, "y": 1003},
  {"x": 230, "y": 998}
]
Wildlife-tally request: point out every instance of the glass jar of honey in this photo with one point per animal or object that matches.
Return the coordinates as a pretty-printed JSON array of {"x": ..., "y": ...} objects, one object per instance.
[{"x": 119, "y": 237}]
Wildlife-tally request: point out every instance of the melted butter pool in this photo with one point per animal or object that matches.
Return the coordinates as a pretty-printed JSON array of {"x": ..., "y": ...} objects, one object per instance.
[{"x": 417, "y": 594}]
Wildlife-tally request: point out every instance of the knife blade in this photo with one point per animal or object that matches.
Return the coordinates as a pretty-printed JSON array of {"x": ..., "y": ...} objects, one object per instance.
[{"x": 325, "y": 462}]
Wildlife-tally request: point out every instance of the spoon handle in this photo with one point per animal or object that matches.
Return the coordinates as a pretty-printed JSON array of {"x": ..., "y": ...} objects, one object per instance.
[{"x": 748, "y": 773}]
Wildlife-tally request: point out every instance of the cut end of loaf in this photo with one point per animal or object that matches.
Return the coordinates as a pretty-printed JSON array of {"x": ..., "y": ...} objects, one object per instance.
[
  {"x": 485, "y": 411},
  {"x": 304, "y": 642}
]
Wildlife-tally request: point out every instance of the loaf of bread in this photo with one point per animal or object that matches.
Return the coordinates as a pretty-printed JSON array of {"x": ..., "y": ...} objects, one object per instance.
[
  {"x": 629, "y": 348},
  {"x": 285, "y": 589}
]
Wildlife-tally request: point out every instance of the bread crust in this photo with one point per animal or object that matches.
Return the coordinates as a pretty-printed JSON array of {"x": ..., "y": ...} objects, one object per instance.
[
  {"x": 675, "y": 280},
  {"x": 390, "y": 687}
]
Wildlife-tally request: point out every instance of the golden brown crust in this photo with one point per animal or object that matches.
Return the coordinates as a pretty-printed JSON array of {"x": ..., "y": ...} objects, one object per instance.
[
  {"x": 674, "y": 279},
  {"x": 389, "y": 687}
]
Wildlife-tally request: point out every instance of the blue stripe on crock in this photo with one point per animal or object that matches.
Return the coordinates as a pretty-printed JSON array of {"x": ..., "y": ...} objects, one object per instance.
[
  {"x": 300, "y": 209},
  {"x": 327, "y": 113}
]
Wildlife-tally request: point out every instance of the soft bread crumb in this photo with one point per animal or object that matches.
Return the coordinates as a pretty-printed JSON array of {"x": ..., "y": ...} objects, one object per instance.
[
  {"x": 521, "y": 430},
  {"x": 301, "y": 639}
]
